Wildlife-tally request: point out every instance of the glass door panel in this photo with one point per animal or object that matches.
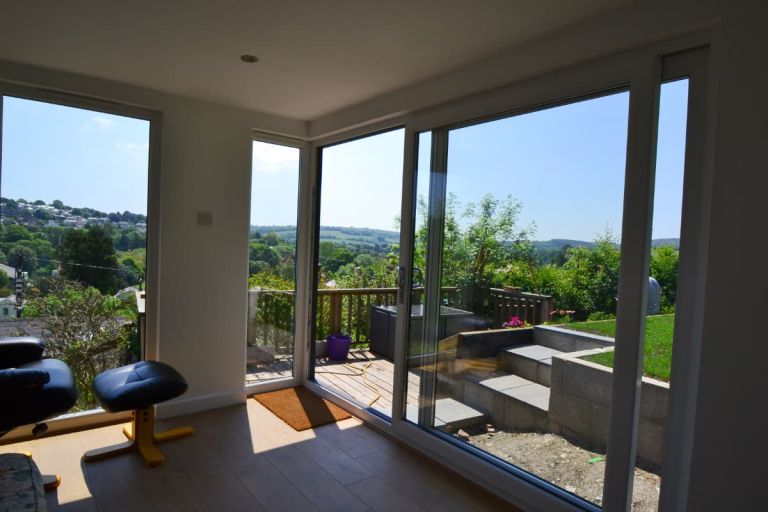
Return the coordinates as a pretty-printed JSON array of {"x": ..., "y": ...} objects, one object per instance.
[
  {"x": 518, "y": 239},
  {"x": 272, "y": 263},
  {"x": 356, "y": 275}
]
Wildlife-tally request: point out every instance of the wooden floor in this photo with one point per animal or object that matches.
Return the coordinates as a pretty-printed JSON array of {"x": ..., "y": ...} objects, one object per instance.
[{"x": 243, "y": 458}]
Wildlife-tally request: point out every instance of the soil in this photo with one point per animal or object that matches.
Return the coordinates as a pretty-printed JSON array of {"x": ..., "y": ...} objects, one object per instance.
[{"x": 558, "y": 460}]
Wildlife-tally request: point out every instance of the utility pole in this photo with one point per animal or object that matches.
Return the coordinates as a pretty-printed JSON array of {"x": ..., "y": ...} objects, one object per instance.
[{"x": 19, "y": 286}]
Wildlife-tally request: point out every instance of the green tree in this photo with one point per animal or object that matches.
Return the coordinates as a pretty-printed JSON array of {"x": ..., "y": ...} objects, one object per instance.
[
  {"x": 14, "y": 233},
  {"x": 58, "y": 204},
  {"x": 262, "y": 252},
  {"x": 23, "y": 257},
  {"x": 591, "y": 280},
  {"x": 484, "y": 238},
  {"x": 88, "y": 256},
  {"x": 664, "y": 264},
  {"x": 333, "y": 256},
  {"x": 89, "y": 331}
]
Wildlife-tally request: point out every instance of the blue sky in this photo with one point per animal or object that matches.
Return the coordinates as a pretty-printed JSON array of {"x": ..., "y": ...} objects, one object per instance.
[
  {"x": 82, "y": 157},
  {"x": 564, "y": 164}
]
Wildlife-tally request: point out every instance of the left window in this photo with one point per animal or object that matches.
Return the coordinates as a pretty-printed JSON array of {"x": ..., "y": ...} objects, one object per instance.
[{"x": 73, "y": 233}]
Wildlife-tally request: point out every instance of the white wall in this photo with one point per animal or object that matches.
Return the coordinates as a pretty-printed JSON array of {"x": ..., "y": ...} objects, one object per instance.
[{"x": 206, "y": 164}]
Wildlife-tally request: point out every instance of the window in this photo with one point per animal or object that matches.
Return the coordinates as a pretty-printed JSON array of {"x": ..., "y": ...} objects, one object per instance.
[
  {"x": 272, "y": 262},
  {"x": 74, "y": 223}
]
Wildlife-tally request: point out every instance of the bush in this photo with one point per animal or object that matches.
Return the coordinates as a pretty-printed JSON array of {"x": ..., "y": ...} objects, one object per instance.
[{"x": 89, "y": 331}]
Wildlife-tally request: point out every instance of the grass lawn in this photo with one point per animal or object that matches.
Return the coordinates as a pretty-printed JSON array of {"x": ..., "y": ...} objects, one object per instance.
[{"x": 657, "y": 349}]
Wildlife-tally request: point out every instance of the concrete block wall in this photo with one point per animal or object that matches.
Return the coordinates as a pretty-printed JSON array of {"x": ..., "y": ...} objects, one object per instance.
[{"x": 580, "y": 404}]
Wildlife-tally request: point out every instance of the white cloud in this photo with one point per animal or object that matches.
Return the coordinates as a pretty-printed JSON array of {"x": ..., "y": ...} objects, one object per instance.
[
  {"x": 272, "y": 158},
  {"x": 133, "y": 149},
  {"x": 102, "y": 123}
]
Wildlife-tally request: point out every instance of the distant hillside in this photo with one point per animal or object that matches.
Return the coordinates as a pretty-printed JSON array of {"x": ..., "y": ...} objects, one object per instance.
[
  {"x": 377, "y": 237},
  {"x": 558, "y": 243},
  {"x": 339, "y": 235},
  {"x": 674, "y": 242}
]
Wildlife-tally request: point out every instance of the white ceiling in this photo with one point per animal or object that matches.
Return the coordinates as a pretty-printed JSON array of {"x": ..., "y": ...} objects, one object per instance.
[{"x": 316, "y": 56}]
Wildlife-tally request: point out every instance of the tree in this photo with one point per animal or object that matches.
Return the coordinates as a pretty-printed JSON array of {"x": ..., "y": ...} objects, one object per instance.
[
  {"x": 261, "y": 252},
  {"x": 89, "y": 331},
  {"x": 88, "y": 256},
  {"x": 22, "y": 257},
  {"x": 664, "y": 264},
  {"x": 484, "y": 238},
  {"x": 43, "y": 214},
  {"x": 14, "y": 233},
  {"x": 272, "y": 239},
  {"x": 58, "y": 204},
  {"x": 333, "y": 256},
  {"x": 591, "y": 281}
]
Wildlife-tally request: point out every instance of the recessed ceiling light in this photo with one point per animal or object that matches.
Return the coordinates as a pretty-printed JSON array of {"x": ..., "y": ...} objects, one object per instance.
[{"x": 250, "y": 59}]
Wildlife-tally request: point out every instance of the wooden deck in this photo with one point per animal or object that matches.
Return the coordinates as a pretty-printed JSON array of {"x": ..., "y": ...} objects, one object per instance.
[
  {"x": 280, "y": 368},
  {"x": 365, "y": 378}
]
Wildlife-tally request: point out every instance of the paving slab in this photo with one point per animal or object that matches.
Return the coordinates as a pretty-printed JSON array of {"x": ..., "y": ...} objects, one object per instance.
[
  {"x": 532, "y": 394},
  {"x": 538, "y": 353},
  {"x": 449, "y": 413}
]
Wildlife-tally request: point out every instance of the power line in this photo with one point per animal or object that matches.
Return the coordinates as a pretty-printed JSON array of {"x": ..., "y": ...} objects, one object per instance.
[{"x": 86, "y": 265}]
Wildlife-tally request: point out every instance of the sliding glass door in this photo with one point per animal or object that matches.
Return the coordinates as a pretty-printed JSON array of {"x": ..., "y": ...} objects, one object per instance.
[
  {"x": 541, "y": 310},
  {"x": 356, "y": 273},
  {"x": 518, "y": 239},
  {"x": 530, "y": 322}
]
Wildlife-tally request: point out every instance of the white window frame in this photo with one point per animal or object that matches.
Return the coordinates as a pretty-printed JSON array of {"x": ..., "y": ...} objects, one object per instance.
[{"x": 642, "y": 71}]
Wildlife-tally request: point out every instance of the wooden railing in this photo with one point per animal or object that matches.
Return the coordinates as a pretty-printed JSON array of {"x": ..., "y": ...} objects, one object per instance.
[
  {"x": 347, "y": 310},
  {"x": 533, "y": 308}
]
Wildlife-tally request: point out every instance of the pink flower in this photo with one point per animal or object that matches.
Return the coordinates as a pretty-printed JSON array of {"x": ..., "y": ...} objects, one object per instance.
[{"x": 514, "y": 322}]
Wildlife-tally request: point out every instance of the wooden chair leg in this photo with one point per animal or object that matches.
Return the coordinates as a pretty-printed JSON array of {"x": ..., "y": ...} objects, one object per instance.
[
  {"x": 142, "y": 438},
  {"x": 50, "y": 482}
]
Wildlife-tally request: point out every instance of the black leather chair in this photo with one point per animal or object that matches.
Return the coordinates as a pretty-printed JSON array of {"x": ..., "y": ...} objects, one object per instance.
[{"x": 32, "y": 389}]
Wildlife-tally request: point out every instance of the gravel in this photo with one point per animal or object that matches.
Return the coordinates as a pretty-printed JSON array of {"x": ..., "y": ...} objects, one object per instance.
[{"x": 558, "y": 460}]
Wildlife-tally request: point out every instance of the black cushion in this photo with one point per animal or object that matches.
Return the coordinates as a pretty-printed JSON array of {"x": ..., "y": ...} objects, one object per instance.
[
  {"x": 14, "y": 379},
  {"x": 138, "y": 385},
  {"x": 36, "y": 404},
  {"x": 18, "y": 350}
]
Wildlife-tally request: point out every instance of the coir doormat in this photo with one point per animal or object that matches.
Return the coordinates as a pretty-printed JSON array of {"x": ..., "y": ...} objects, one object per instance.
[{"x": 300, "y": 408}]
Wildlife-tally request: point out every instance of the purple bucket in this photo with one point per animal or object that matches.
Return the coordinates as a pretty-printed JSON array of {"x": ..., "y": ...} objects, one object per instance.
[{"x": 338, "y": 347}]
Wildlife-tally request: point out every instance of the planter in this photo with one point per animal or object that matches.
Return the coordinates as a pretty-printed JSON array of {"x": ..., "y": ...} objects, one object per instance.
[{"x": 338, "y": 347}]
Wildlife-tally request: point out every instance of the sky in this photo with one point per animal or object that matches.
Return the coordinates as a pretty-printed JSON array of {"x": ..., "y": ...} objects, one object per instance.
[
  {"x": 81, "y": 157},
  {"x": 564, "y": 164}
]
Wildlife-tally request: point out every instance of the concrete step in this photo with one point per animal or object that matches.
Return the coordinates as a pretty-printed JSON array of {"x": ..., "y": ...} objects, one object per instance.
[
  {"x": 511, "y": 401},
  {"x": 532, "y": 362},
  {"x": 450, "y": 414}
]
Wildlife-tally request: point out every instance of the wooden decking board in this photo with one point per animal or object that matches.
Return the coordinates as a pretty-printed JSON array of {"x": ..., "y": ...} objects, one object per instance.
[{"x": 347, "y": 379}]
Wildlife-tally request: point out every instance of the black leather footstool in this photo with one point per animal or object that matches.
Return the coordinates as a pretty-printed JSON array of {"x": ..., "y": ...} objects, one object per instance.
[{"x": 138, "y": 387}]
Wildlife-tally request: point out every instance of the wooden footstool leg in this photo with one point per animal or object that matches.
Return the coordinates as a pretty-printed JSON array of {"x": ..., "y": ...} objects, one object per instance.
[{"x": 141, "y": 437}]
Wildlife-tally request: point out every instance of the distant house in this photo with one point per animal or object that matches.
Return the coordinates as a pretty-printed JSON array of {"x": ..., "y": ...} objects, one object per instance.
[
  {"x": 8, "y": 308},
  {"x": 10, "y": 271}
]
